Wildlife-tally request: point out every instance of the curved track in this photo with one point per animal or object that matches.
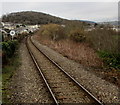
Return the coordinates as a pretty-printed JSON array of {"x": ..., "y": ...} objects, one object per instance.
[{"x": 62, "y": 87}]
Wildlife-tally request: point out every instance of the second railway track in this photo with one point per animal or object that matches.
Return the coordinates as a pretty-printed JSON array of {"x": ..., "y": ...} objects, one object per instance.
[{"x": 62, "y": 87}]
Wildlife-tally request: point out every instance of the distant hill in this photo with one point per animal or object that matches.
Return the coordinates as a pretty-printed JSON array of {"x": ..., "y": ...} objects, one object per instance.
[
  {"x": 30, "y": 17},
  {"x": 90, "y": 22}
]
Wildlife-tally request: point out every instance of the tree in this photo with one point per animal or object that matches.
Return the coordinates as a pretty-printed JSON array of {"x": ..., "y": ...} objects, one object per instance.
[{"x": 52, "y": 31}]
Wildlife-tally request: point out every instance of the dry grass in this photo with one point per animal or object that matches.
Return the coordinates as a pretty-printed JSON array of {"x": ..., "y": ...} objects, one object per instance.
[
  {"x": 80, "y": 52},
  {"x": 86, "y": 52},
  {"x": 83, "y": 54}
]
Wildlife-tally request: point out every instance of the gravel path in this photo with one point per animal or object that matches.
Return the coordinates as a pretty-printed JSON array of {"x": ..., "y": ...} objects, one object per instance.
[
  {"x": 26, "y": 85},
  {"x": 103, "y": 90}
]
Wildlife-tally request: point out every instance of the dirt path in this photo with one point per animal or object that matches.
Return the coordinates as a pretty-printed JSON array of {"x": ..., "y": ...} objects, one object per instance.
[{"x": 26, "y": 85}]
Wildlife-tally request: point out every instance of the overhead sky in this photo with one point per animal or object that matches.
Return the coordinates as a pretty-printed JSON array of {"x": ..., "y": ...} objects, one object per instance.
[{"x": 93, "y": 11}]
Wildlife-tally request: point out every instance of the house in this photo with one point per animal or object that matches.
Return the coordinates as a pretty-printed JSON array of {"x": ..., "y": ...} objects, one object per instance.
[
  {"x": 1, "y": 24},
  {"x": 4, "y": 34}
]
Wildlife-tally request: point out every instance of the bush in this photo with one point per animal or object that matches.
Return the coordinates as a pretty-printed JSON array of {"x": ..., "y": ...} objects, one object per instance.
[
  {"x": 52, "y": 31},
  {"x": 110, "y": 59},
  {"x": 106, "y": 43},
  {"x": 8, "y": 49},
  {"x": 77, "y": 35},
  {"x": 103, "y": 40}
]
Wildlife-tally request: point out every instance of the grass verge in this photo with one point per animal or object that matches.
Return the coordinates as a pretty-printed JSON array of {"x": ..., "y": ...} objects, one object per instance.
[{"x": 7, "y": 73}]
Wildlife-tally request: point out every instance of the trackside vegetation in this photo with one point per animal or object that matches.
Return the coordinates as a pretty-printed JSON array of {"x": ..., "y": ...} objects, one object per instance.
[
  {"x": 52, "y": 31},
  {"x": 9, "y": 65},
  {"x": 8, "y": 50},
  {"x": 103, "y": 41},
  {"x": 106, "y": 43},
  {"x": 110, "y": 59}
]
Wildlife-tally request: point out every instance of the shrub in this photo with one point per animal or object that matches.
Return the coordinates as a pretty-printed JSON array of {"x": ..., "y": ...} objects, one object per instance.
[
  {"x": 8, "y": 49},
  {"x": 103, "y": 40},
  {"x": 77, "y": 35},
  {"x": 52, "y": 31},
  {"x": 110, "y": 59},
  {"x": 73, "y": 25}
]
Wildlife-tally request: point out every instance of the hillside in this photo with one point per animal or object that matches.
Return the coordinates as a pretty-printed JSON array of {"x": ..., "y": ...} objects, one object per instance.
[{"x": 30, "y": 17}]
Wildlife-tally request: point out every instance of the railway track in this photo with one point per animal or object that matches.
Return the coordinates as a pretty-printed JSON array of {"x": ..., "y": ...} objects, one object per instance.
[{"x": 62, "y": 87}]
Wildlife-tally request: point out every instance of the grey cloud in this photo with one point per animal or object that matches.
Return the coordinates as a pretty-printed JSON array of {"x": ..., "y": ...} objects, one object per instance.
[{"x": 95, "y": 11}]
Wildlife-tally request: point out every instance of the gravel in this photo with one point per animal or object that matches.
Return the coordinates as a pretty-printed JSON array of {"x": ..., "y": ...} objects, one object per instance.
[
  {"x": 26, "y": 85},
  {"x": 64, "y": 89},
  {"x": 103, "y": 90}
]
